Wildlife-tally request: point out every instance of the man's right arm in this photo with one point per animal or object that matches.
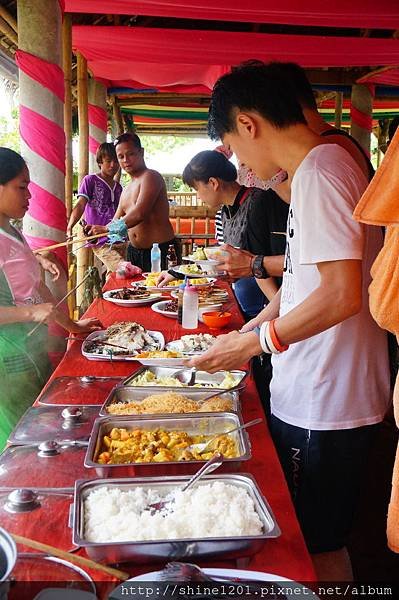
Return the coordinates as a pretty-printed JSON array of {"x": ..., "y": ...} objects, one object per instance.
[{"x": 76, "y": 213}]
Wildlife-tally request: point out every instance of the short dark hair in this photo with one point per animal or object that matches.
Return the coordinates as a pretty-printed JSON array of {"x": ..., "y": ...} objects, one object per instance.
[
  {"x": 128, "y": 137},
  {"x": 206, "y": 164},
  {"x": 11, "y": 165},
  {"x": 253, "y": 86},
  {"x": 299, "y": 81},
  {"x": 105, "y": 150}
]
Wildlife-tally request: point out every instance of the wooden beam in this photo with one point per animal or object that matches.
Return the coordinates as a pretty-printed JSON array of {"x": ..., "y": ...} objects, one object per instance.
[
  {"x": 67, "y": 66},
  {"x": 8, "y": 31},
  {"x": 8, "y": 18},
  {"x": 339, "y": 98},
  {"x": 335, "y": 76}
]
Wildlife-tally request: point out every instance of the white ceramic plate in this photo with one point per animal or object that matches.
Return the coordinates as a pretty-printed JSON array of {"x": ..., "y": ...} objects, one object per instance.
[
  {"x": 133, "y": 301},
  {"x": 157, "y": 335},
  {"x": 158, "y": 308},
  {"x": 210, "y": 281},
  {"x": 182, "y": 269},
  {"x": 237, "y": 577},
  {"x": 210, "y": 263},
  {"x": 175, "y": 345}
]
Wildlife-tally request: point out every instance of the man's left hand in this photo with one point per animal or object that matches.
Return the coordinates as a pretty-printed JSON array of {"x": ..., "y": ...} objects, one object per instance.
[
  {"x": 230, "y": 351},
  {"x": 96, "y": 229}
]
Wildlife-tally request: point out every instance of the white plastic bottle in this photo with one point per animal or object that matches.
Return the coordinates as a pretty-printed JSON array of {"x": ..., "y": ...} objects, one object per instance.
[
  {"x": 155, "y": 259},
  {"x": 190, "y": 307}
]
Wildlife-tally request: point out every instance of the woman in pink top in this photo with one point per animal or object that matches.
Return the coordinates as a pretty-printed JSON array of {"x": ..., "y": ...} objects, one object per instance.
[{"x": 24, "y": 301}]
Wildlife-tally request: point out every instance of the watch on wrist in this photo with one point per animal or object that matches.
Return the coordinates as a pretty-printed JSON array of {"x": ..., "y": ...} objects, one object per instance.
[{"x": 258, "y": 270}]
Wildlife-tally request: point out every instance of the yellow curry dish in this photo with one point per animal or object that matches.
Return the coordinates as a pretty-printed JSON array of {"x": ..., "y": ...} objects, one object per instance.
[{"x": 122, "y": 446}]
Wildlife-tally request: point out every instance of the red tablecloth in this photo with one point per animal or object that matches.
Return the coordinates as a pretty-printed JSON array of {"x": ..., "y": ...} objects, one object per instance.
[{"x": 287, "y": 555}]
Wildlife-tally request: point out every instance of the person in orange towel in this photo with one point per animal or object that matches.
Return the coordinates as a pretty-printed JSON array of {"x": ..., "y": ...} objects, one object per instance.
[{"x": 379, "y": 205}]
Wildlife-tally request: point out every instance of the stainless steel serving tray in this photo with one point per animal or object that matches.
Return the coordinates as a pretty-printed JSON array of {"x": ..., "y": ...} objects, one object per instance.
[
  {"x": 138, "y": 394},
  {"x": 201, "y": 377},
  {"x": 160, "y": 550},
  {"x": 203, "y": 424}
]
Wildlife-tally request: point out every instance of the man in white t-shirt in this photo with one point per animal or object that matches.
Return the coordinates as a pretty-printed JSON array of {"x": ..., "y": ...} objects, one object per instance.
[{"x": 330, "y": 382}]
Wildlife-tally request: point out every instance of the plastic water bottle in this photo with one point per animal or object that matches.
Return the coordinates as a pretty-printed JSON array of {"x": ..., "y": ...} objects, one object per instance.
[
  {"x": 155, "y": 259},
  {"x": 190, "y": 307},
  {"x": 180, "y": 294}
]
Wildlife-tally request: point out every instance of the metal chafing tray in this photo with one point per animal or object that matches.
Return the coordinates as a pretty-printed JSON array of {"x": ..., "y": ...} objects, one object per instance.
[
  {"x": 206, "y": 379},
  {"x": 160, "y": 550},
  {"x": 204, "y": 424},
  {"x": 43, "y": 423},
  {"x": 127, "y": 394}
]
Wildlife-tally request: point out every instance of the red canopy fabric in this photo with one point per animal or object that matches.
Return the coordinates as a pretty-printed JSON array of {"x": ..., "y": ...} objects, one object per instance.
[
  {"x": 383, "y": 14},
  {"x": 100, "y": 44},
  {"x": 147, "y": 75},
  {"x": 386, "y": 76}
]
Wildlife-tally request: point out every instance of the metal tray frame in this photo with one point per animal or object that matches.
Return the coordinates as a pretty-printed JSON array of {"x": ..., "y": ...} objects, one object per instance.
[
  {"x": 201, "y": 376},
  {"x": 204, "y": 423},
  {"x": 122, "y": 393},
  {"x": 160, "y": 550}
]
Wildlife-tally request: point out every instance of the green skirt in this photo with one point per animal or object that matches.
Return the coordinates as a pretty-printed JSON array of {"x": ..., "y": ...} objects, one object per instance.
[{"x": 24, "y": 369}]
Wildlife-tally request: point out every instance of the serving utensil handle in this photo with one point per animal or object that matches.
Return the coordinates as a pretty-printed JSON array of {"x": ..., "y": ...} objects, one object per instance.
[{"x": 211, "y": 465}]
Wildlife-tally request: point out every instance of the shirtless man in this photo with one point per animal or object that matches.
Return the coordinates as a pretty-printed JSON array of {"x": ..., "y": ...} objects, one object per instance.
[{"x": 143, "y": 205}]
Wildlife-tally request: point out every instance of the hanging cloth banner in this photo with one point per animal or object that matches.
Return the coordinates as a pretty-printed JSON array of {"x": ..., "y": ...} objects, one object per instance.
[
  {"x": 340, "y": 13},
  {"x": 46, "y": 73},
  {"x": 184, "y": 46}
]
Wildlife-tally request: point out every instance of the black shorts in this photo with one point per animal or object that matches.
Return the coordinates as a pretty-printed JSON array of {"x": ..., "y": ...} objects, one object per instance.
[
  {"x": 141, "y": 257},
  {"x": 324, "y": 471}
]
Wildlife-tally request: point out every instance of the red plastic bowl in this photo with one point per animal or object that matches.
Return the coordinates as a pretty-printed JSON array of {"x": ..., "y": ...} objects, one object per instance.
[{"x": 216, "y": 318}]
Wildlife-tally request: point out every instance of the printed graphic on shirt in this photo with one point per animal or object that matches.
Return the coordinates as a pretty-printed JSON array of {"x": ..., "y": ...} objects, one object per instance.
[
  {"x": 100, "y": 200},
  {"x": 288, "y": 278}
]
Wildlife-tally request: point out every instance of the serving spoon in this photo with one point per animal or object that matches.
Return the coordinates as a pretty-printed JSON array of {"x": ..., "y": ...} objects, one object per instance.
[
  {"x": 200, "y": 447},
  {"x": 211, "y": 465}
]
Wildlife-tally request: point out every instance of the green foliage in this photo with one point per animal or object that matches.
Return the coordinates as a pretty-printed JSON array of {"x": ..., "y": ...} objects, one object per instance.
[
  {"x": 179, "y": 186},
  {"x": 154, "y": 144},
  {"x": 9, "y": 132}
]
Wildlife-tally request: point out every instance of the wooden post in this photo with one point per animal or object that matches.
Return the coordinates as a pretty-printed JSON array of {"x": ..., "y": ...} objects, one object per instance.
[
  {"x": 338, "y": 109},
  {"x": 361, "y": 115},
  {"x": 67, "y": 65},
  {"x": 118, "y": 121},
  {"x": 82, "y": 254}
]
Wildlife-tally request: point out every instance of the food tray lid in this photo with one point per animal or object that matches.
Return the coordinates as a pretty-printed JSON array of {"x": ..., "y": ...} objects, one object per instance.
[
  {"x": 58, "y": 423},
  {"x": 54, "y": 466},
  {"x": 41, "y": 515},
  {"x": 39, "y": 577},
  {"x": 79, "y": 390}
]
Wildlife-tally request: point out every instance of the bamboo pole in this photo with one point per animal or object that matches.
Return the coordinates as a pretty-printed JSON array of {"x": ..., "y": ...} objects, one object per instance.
[
  {"x": 67, "y": 65},
  {"x": 338, "y": 109},
  {"x": 116, "y": 112},
  {"x": 8, "y": 18},
  {"x": 83, "y": 254},
  {"x": 8, "y": 31}
]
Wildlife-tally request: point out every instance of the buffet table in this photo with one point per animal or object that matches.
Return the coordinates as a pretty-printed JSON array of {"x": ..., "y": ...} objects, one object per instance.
[{"x": 286, "y": 555}]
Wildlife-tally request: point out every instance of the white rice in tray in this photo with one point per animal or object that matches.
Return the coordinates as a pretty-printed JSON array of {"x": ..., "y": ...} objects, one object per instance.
[{"x": 210, "y": 510}]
